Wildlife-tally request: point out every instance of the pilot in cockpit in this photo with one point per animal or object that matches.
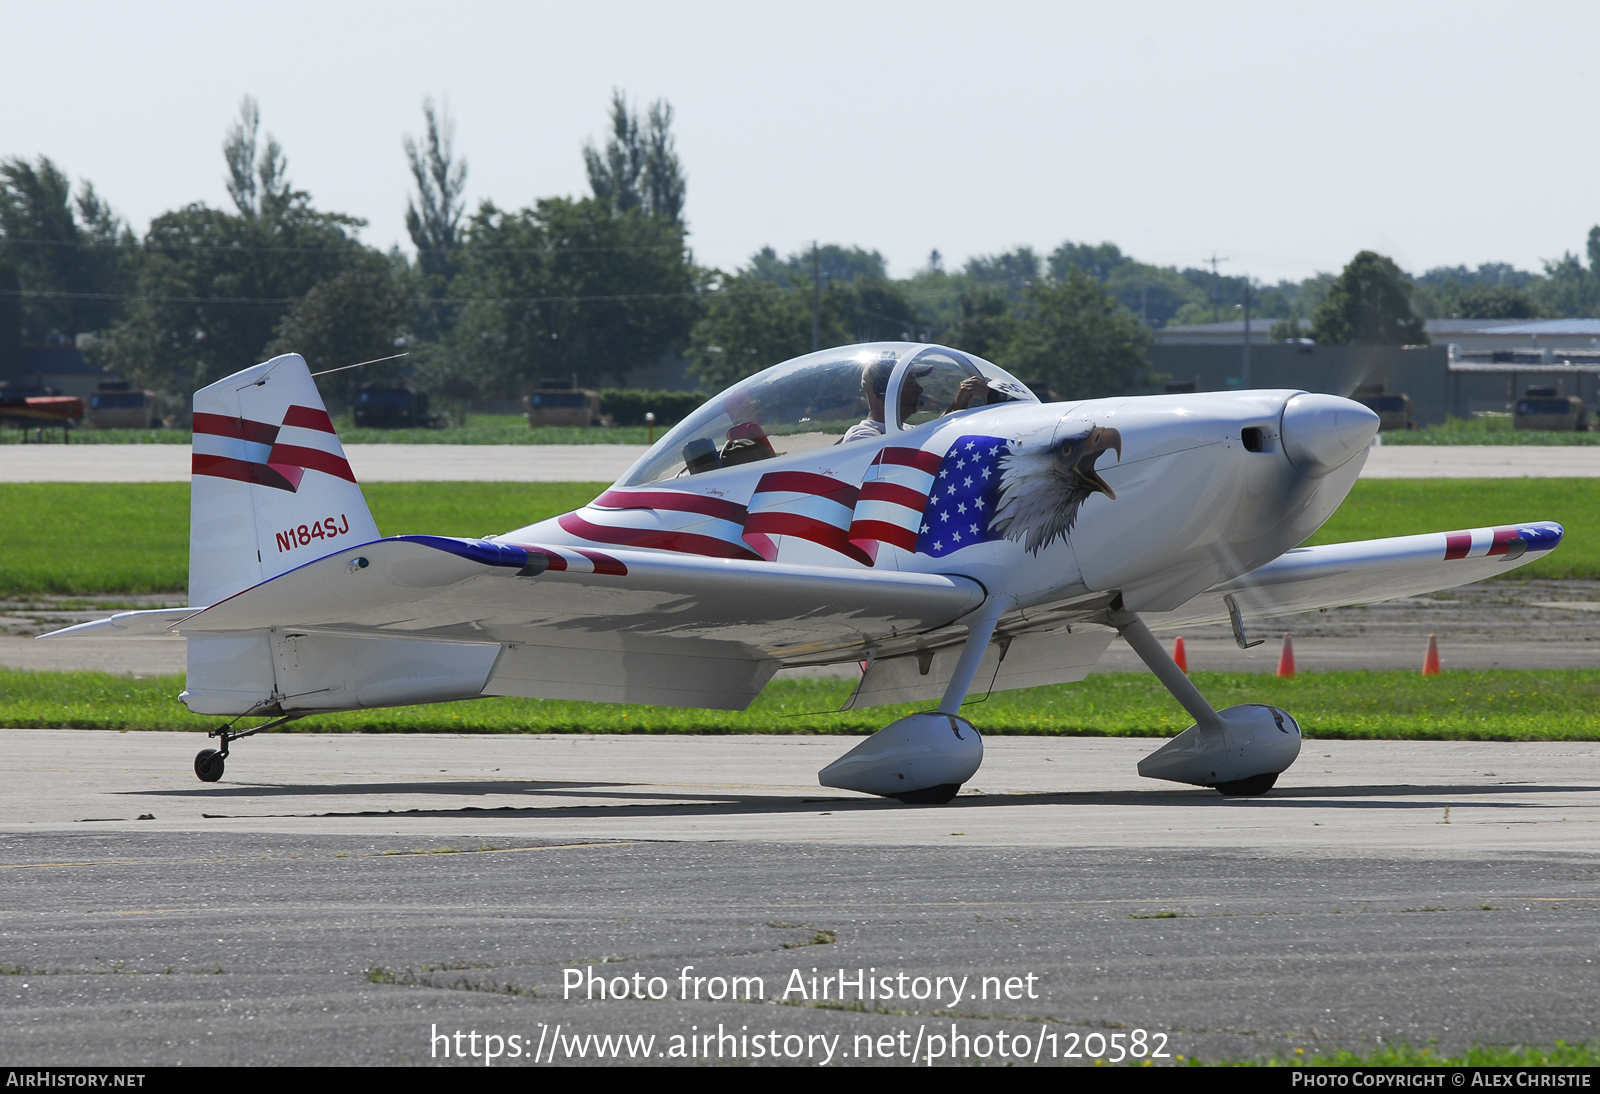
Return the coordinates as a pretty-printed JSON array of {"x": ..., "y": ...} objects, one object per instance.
[{"x": 875, "y": 386}]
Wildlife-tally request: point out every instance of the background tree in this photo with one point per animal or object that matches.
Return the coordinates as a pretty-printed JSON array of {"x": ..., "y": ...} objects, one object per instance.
[
  {"x": 571, "y": 287},
  {"x": 1370, "y": 303},
  {"x": 1498, "y": 302},
  {"x": 1567, "y": 288},
  {"x": 1287, "y": 330},
  {"x": 357, "y": 315},
  {"x": 1074, "y": 339},
  {"x": 763, "y": 314},
  {"x": 1010, "y": 273},
  {"x": 639, "y": 167},
  {"x": 751, "y": 323},
  {"x": 212, "y": 286},
  {"x": 986, "y": 324},
  {"x": 68, "y": 256},
  {"x": 433, "y": 219},
  {"x": 257, "y": 177},
  {"x": 833, "y": 262}
]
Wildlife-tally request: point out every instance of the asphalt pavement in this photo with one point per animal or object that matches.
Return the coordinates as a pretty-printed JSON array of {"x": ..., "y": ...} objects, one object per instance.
[{"x": 352, "y": 899}]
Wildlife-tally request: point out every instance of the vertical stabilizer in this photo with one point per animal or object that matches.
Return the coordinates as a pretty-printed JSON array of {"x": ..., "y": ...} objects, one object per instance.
[{"x": 270, "y": 487}]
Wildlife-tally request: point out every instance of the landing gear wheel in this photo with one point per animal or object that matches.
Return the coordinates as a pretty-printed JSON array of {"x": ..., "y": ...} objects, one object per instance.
[
  {"x": 933, "y": 795},
  {"x": 208, "y": 765},
  {"x": 1253, "y": 787}
]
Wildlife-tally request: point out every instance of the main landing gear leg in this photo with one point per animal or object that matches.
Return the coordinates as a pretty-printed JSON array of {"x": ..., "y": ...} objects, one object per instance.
[
  {"x": 1239, "y": 751},
  {"x": 209, "y": 762},
  {"x": 923, "y": 759}
]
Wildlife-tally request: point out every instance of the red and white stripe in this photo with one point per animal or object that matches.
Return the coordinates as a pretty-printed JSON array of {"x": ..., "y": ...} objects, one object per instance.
[
  {"x": 808, "y": 506},
  {"x": 307, "y": 442},
  {"x": 278, "y": 456},
  {"x": 894, "y": 492},
  {"x": 576, "y": 560},
  {"x": 1479, "y": 542},
  {"x": 663, "y": 520}
]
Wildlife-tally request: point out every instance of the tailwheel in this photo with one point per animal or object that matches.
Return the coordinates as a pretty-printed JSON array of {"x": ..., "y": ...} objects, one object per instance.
[
  {"x": 933, "y": 795},
  {"x": 208, "y": 765},
  {"x": 1253, "y": 787}
]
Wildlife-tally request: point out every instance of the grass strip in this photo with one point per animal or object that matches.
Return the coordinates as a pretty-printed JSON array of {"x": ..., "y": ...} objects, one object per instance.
[
  {"x": 1488, "y": 429},
  {"x": 100, "y": 538},
  {"x": 95, "y": 538},
  {"x": 1496, "y": 705}
]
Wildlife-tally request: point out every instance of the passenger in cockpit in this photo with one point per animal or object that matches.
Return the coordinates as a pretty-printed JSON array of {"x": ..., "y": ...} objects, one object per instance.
[{"x": 875, "y": 386}]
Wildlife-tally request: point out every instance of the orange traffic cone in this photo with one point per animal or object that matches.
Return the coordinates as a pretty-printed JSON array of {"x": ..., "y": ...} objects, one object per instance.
[
  {"x": 1177, "y": 655},
  {"x": 1286, "y": 658},
  {"x": 1430, "y": 661}
]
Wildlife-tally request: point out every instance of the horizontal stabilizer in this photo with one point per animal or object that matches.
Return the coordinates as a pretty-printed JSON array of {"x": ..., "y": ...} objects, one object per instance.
[
  {"x": 476, "y": 590},
  {"x": 150, "y": 621}
]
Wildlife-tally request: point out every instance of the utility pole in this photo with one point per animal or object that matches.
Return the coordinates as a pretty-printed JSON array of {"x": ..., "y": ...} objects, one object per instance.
[
  {"x": 1246, "y": 332},
  {"x": 1216, "y": 285},
  {"x": 816, "y": 298}
]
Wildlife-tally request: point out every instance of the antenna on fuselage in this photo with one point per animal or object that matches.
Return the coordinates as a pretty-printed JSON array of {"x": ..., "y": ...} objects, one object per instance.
[{"x": 358, "y": 364}]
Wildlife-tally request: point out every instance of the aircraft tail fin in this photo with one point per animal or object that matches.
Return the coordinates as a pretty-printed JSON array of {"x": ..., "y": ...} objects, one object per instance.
[{"x": 270, "y": 487}]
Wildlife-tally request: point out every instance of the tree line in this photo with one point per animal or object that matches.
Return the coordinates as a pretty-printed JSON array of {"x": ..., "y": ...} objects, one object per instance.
[{"x": 602, "y": 285}]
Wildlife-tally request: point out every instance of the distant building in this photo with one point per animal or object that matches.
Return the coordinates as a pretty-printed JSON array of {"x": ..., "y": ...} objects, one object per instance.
[
  {"x": 1220, "y": 334},
  {"x": 61, "y": 366},
  {"x": 1472, "y": 337},
  {"x": 1473, "y": 365}
]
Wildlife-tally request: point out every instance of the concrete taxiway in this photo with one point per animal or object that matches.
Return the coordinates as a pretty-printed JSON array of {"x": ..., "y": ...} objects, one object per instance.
[
  {"x": 607, "y": 462},
  {"x": 341, "y": 899}
]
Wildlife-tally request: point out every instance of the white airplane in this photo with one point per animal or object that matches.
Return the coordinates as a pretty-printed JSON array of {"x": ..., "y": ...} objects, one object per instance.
[{"x": 907, "y": 507}]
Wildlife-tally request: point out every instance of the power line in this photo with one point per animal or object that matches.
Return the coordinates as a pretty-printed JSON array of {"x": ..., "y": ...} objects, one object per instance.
[{"x": 353, "y": 247}]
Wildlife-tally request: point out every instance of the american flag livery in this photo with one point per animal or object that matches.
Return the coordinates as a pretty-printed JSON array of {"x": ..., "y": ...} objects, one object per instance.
[
  {"x": 664, "y": 520},
  {"x": 576, "y": 560},
  {"x": 963, "y": 498},
  {"x": 893, "y": 493},
  {"x": 805, "y": 505},
  {"x": 920, "y": 501},
  {"x": 1482, "y": 542},
  {"x": 276, "y": 456}
]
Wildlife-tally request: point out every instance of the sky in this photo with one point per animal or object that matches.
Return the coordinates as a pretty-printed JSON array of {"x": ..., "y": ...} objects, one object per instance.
[{"x": 1281, "y": 138}]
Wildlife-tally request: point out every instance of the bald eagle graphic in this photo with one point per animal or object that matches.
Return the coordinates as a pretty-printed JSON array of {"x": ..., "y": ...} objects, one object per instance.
[{"x": 1040, "y": 491}]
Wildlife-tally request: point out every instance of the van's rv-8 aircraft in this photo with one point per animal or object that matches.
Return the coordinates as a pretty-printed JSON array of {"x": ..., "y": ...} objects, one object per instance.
[{"x": 907, "y": 507}]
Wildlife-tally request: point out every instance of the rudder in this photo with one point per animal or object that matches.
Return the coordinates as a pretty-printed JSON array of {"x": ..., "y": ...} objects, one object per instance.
[{"x": 270, "y": 487}]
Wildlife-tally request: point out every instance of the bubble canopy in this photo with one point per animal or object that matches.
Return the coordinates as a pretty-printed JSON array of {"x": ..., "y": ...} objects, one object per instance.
[{"x": 813, "y": 401}]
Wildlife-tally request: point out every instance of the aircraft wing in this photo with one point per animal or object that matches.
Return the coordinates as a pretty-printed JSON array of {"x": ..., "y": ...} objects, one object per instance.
[
  {"x": 1368, "y": 571},
  {"x": 431, "y": 586}
]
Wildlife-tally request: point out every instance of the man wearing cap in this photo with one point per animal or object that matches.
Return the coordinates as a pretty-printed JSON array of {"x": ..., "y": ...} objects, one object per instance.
[{"x": 875, "y": 386}]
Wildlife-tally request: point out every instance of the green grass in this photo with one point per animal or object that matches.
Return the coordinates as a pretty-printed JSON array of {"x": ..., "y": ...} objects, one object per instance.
[
  {"x": 1560, "y": 1054},
  {"x": 94, "y": 539},
  {"x": 1493, "y": 429},
  {"x": 99, "y": 538},
  {"x": 1501, "y": 705},
  {"x": 1397, "y": 507},
  {"x": 480, "y": 429}
]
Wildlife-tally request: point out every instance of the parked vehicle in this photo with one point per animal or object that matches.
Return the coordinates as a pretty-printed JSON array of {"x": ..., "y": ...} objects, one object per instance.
[
  {"x": 39, "y": 408},
  {"x": 117, "y": 404},
  {"x": 1542, "y": 408},
  {"x": 379, "y": 407},
  {"x": 1393, "y": 411},
  {"x": 560, "y": 402}
]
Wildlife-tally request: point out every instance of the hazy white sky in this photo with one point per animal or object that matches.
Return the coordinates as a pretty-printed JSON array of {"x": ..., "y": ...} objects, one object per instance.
[{"x": 1283, "y": 136}]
